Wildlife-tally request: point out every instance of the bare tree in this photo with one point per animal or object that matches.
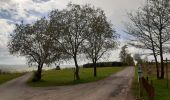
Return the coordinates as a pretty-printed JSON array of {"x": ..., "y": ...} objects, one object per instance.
[
  {"x": 72, "y": 24},
  {"x": 160, "y": 13},
  {"x": 101, "y": 39},
  {"x": 35, "y": 43},
  {"x": 150, "y": 27}
]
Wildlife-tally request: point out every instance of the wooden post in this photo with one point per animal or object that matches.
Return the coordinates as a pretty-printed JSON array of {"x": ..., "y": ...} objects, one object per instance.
[
  {"x": 140, "y": 76},
  {"x": 166, "y": 72},
  {"x": 147, "y": 78},
  {"x": 141, "y": 88},
  {"x": 151, "y": 82}
]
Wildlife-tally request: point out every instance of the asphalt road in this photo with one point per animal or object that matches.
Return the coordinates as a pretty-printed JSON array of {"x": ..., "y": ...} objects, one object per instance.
[{"x": 115, "y": 87}]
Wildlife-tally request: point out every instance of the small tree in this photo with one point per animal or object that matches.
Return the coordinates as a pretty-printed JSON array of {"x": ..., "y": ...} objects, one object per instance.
[
  {"x": 126, "y": 57},
  {"x": 101, "y": 38},
  {"x": 123, "y": 54},
  {"x": 138, "y": 58},
  {"x": 35, "y": 43},
  {"x": 129, "y": 60}
]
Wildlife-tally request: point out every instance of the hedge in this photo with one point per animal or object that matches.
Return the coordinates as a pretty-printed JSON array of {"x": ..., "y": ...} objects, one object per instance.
[{"x": 105, "y": 64}]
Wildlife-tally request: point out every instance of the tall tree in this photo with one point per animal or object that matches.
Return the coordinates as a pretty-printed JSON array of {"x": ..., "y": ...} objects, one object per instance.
[
  {"x": 35, "y": 43},
  {"x": 72, "y": 24},
  {"x": 101, "y": 39},
  {"x": 129, "y": 60},
  {"x": 126, "y": 57},
  {"x": 150, "y": 27},
  {"x": 123, "y": 54}
]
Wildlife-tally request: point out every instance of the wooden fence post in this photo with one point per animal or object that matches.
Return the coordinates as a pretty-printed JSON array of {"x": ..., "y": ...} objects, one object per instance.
[
  {"x": 141, "y": 88},
  {"x": 166, "y": 72}
]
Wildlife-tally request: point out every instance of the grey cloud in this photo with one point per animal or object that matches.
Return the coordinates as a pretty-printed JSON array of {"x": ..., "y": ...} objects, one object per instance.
[
  {"x": 6, "y": 58},
  {"x": 7, "y": 1},
  {"x": 8, "y": 13},
  {"x": 34, "y": 13},
  {"x": 40, "y": 1}
]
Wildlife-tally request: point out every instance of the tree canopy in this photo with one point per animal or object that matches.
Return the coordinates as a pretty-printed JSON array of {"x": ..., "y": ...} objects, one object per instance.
[
  {"x": 34, "y": 41},
  {"x": 64, "y": 34},
  {"x": 101, "y": 39}
]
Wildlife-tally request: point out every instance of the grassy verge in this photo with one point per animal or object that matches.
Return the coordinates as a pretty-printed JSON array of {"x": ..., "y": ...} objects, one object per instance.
[
  {"x": 161, "y": 91},
  {"x": 66, "y": 76},
  {"x": 8, "y": 76},
  {"x": 135, "y": 86}
]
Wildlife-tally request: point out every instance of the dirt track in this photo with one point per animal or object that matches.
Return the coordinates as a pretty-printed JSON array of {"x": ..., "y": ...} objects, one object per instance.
[{"x": 114, "y": 87}]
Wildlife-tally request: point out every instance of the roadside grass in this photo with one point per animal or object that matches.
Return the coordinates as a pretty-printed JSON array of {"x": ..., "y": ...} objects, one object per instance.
[
  {"x": 4, "y": 77},
  {"x": 135, "y": 86},
  {"x": 161, "y": 90},
  {"x": 66, "y": 76}
]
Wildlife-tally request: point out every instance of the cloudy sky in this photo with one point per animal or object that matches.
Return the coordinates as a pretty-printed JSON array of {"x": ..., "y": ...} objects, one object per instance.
[{"x": 13, "y": 11}]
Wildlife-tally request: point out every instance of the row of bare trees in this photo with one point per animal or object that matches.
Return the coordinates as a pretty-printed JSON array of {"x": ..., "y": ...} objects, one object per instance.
[
  {"x": 150, "y": 28},
  {"x": 63, "y": 35}
]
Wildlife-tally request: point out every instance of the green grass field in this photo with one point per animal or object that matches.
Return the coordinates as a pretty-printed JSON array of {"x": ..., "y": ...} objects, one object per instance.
[
  {"x": 66, "y": 76},
  {"x": 161, "y": 90},
  {"x": 8, "y": 76}
]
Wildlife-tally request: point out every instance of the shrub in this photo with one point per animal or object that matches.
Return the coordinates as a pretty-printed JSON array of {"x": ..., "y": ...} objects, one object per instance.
[
  {"x": 105, "y": 64},
  {"x": 57, "y": 68}
]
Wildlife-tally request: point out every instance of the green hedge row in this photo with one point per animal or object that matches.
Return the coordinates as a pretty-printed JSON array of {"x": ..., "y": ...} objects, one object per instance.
[{"x": 105, "y": 64}]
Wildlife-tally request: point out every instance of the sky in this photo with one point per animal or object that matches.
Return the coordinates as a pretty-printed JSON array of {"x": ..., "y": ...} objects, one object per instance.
[{"x": 14, "y": 11}]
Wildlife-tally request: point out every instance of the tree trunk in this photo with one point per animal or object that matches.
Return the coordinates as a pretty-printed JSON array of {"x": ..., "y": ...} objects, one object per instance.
[
  {"x": 95, "y": 69},
  {"x": 162, "y": 64},
  {"x": 157, "y": 66},
  {"x": 77, "y": 69},
  {"x": 154, "y": 54},
  {"x": 161, "y": 55},
  {"x": 37, "y": 75}
]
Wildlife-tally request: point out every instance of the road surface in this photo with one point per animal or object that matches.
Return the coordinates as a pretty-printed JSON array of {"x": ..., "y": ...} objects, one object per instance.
[{"x": 115, "y": 87}]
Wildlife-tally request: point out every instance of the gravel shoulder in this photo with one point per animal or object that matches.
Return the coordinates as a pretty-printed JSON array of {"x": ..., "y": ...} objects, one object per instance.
[{"x": 115, "y": 87}]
